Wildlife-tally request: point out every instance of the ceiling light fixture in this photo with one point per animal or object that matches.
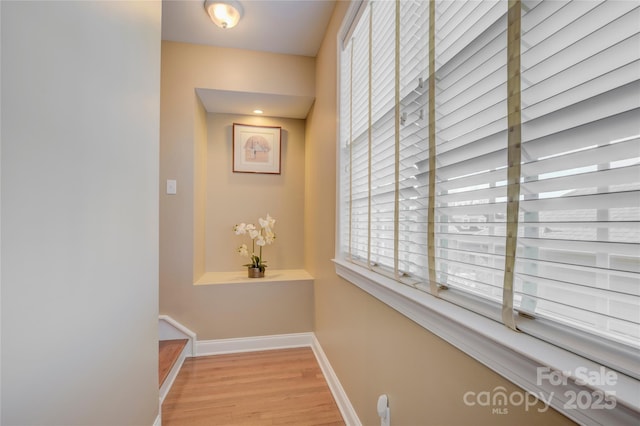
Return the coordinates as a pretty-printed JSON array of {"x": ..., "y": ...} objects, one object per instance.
[
  {"x": 258, "y": 111},
  {"x": 224, "y": 13}
]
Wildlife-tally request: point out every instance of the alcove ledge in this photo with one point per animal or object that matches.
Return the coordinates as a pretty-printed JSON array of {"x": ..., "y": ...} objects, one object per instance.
[{"x": 240, "y": 277}]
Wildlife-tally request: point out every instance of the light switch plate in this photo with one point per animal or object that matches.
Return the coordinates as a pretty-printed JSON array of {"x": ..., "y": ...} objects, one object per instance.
[{"x": 171, "y": 186}]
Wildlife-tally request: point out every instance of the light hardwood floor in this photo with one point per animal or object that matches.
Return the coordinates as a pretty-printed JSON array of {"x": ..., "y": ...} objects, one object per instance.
[
  {"x": 169, "y": 353},
  {"x": 278, "y": 387}
]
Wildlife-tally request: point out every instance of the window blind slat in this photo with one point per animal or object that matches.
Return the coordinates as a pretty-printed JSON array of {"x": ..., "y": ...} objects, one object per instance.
[
  {"x": 574, "y": 246},
  {"x": 588, "y": 182},
  {"x": 581, "y": 158},
  {"x": 445, "y": 239},
  {"x": 473, "y": 165},
  {"x": 620, "y": 282},
  {"x": 473, "y": 210}
]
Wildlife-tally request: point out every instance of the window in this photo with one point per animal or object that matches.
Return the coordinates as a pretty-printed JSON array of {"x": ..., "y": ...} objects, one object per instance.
[{"x": 490, "y": 156}]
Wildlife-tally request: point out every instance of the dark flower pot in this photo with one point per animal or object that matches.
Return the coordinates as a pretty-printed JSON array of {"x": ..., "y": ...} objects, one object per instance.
[{"x": 255, "y": 272}]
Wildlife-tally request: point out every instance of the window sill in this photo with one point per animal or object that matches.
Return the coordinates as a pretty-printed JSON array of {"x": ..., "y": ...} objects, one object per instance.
[
  {"x": 240, "y": 277},
  {"x": 515, "y": 356}
]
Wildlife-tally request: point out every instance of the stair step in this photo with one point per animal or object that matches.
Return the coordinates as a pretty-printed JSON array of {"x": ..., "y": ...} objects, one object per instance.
[{"x": 170, "y": 351}]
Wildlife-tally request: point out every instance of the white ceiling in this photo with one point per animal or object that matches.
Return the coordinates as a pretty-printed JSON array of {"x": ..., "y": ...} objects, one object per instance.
[{"x": 294, "y": 27}]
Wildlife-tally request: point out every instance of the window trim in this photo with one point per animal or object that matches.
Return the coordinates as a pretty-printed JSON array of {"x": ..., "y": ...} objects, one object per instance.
[{"x": 515, "y": 356}]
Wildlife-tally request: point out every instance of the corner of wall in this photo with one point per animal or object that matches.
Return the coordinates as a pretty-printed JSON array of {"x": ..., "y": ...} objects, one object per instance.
[{"x": 200, "y": 188}]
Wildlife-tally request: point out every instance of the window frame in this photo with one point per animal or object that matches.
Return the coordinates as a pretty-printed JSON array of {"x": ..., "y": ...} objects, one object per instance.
[{"x": 516, "y": 356}]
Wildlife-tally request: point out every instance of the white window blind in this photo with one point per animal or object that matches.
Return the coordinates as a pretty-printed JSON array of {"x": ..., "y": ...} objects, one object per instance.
[
  {"x": 577, "y": 226},
  {"x": 359, "y": 140},
  {"x": 578, "y": 246},
  {"x": 413, "y": 151},
  {"x": 471, "y": 148},
  {"x": 344, "y": 222},
  {"x": 382, "y": 133}
]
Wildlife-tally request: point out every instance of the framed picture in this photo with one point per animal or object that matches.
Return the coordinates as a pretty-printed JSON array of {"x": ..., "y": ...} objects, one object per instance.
[{"x": 256, "y": 149}]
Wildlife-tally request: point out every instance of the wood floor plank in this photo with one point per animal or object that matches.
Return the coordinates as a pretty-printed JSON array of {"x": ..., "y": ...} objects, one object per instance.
[
  {"x": 278, "y": 387},
  {"x": 169, "y": 353}
]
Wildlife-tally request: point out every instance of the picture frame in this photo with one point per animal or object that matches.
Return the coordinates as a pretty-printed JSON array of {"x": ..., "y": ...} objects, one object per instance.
[{"x": 256, "y": 149}]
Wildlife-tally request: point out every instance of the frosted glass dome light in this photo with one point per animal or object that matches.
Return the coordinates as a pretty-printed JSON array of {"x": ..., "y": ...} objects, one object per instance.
[{"x": 225, "y": 14}]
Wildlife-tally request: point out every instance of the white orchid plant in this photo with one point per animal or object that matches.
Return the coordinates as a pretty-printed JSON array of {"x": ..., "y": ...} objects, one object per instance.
[{"x": 259, "y": 237}]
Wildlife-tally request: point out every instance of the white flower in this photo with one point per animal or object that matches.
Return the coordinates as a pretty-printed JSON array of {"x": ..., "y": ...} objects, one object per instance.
[
  {"x": 253, "y": 232},
  {"x": 240, "y": 229},
  {"x": 267, "y": 223},
  {"x": 260, "y": 236},
  {"x": 269, "y": 236},
  {"x": 243, "y": 250}
]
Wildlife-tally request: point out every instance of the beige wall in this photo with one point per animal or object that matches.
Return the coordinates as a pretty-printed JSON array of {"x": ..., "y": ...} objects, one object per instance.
[
  {"x": 80, "y": 118},
  {"x": 244, "y": 197},
  {"x": 195, "y": 224},
  {"x": 372, "y": 348}
]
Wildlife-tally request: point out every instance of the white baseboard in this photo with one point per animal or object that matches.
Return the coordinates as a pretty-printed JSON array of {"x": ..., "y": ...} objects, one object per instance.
[
  {"x": 158, "y": 421},
  {"x": 250, "y": 344},
  {"x": 344, "y": 405}
]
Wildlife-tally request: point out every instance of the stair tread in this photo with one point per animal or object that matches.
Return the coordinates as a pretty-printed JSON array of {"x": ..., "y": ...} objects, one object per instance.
[{"x": 169, "y": 352}]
